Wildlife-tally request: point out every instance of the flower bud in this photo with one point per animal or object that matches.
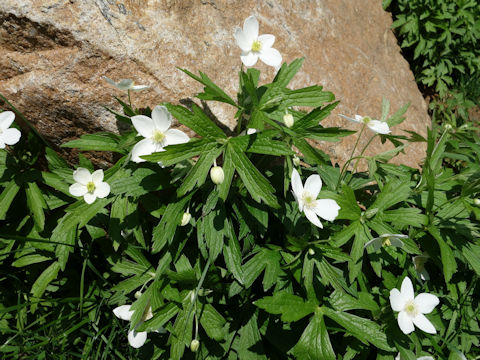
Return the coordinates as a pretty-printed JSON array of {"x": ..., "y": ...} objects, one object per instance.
[
  {"x": 194, "y": 345},
  {"x": 311, "y": 252},
  {"x": 448, "y": 127},
  {"x": 476, "y": 202},
  {"x": 138, "y": 294},
  {"x": 217, "y": 175},
  {"x": 185, "y": 218},
  {"x": 288, "y": 120},
  {"x": 296, "y": 160}
]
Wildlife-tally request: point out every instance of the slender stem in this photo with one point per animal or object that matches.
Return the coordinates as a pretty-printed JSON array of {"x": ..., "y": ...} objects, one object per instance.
[
  {"x": 361, "y": 153},
  {"x": 351, "y": 156},
  {"x": 129, "y": 99}
]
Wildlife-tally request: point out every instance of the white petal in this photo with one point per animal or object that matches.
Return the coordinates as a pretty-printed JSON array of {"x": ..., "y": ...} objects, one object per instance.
[
  {"x": 77, "y": 189},
  {"x": 6, "y": 119},
  {"x": 313, "y": 185},
  {"x": 251, "y": 131},
  {"x": 359, "y": 118},
  {"x": 395, "y": 241},
  {"x": 137, "y": 339},
  {"x": 143, "y": 147},
  {"x": 405, "y": 322},
  {"x": 376, "y": 244},
  {"x": 297, "y": 185},
  {"x": 242, "y": 41},
  {"x": 424, "y": 275},
  {"x": 102, "y": 190},
  {"x": 82, "y": 176},
  {"x": 426, "y": 302},
  {"x": 2, "y": 144},
  {"x": 110, "y": 81},
  {"x": 125, "y": 84},
  {"x": 271, "y": 57},
  {"x": 312, "y": 217},
  {"x": 161, "y": 118},
  {"x": 144, "y": 125},
  {"x": 123, "y": 312},
  {"x": 267, "y": 40},
  {"x": 397, "y": 300},
  {"x": 89, "y": 198},
  {"x": 11, "y": 136},
  {"x": 349, "y": 118},
  {"x": 327, "y": 209},
  {"x": 139, "y": 87},
  {"x": 249, "y": 58},
  {"x": 97, "y": 176},
  {"x": 407, "y": 289},
  {"x": 424, "y": 324},
  {"x": 380, "y": 127},
  {"x": 250, "y": 28},
  {"x": 175, "y": 136}
]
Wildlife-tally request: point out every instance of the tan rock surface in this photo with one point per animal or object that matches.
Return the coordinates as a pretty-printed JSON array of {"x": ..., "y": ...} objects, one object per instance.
[{"x": 55, "y": 52}]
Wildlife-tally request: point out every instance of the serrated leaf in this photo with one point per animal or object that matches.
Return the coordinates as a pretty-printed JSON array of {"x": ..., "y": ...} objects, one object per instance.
[
  {"x": 40, "y": 285},
  {"x": 314, "y": 343},
  {"x": 313, "y": 118},
  {"x": 175, "y": 153},
  {"x": 36, "y": 204},
  {"x": 7, "y": 196},
  {"x": 289, "y": 306},
  {"x": 97, "y": 142}
]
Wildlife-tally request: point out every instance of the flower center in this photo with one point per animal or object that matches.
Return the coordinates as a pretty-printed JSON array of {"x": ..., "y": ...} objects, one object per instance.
[
  {"x": 147, "y": 314},
  {"x": 91, "y": 187},
  {"x": 256, "y": 46},
  {"x": 309, "y": 200},
  {"x": 411, "y": 308},
  {"x": 366, "y": 120},
  {"x": 386, "y": 242},
  {"x": 158, "y": 136}
]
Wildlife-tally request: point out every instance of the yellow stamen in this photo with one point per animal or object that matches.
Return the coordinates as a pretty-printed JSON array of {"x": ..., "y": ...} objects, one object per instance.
[
  {"x": 91, "y": 187},
  {"x": 158, "y": 136},
  {"x": 411, "y": 308},
  {"x": 386, "y": 242},
  {"x": 366, "y": 120},
  {"x": 256, "y": 46}
]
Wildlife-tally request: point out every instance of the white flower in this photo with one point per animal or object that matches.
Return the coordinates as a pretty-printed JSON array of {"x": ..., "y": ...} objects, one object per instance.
[
  {"x": 251, "y": 131},
  {"x": 254, "y": 46},
  {"x": 135, "y": 339},
  {"x": 307, "y": 199},
  {"x": 419, "y": 263},
  {"x": 90, "y": 186},
  {"x": 217, "y": 175},
  {"x": 412, "y": 308},
  {"x": 386, "y": 240},
  {"x": 377, "y": 126},
  {"x": 157, "y": 133},
  {"x": 8, "y": 136},
  {"x": 126, "y": 84}
]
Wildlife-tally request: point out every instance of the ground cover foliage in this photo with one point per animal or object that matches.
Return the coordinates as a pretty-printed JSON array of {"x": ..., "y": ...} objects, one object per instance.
[{"x": 229, "y": 267}]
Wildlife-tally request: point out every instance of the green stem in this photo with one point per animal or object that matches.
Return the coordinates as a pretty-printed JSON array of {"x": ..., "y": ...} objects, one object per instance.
[
  {"x": 347, "y": 163},
  {"x": 129, "y": 99},
  {"x": 361, "y": 153}
]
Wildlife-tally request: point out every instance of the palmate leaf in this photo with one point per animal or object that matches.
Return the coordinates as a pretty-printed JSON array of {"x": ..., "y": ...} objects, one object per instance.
[
  {"x": 257, "y": 185},
  {"x": 315, "y": 343},
  {"x": 289, "y": 306},
  {"x": 175, "y": 153}
]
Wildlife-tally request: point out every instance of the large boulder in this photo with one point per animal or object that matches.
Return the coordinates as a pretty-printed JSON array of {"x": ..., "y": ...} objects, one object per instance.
[{"x": 55, "y": 53}]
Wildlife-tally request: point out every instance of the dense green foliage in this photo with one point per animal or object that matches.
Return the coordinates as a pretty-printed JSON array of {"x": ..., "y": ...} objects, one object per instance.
[
  {"x": 441, "y": 41},
  {"x": 249, "y": 276}
]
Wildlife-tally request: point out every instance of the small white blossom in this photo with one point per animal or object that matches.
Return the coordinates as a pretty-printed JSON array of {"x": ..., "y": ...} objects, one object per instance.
[
  {"x": 126, "y": 84},
  {"x": 307, "y": 199},
  {"x": 194, "y": 345},
  {"x": 254, "y": 46},
  {"x": 380, "y": 127},
  {"x": 288, "y": 120},
  {"x": 156, "y": 132},
  {"x": 186, "y": 217},
  {"x": 412, "y": 308},
  {"x": 135, "y": 339},
  {"x": 8, "y": 136},
  {"x": 386, "y": 240},
  {"x": 90, "y": 186},
  {"x": 217, "y": 175},
  {"x": 419, "y": 263}
]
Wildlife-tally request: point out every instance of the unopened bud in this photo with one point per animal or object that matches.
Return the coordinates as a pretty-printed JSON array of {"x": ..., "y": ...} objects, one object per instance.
[
  {"x": 296, "y": 160},
  {"x": 288, "y": 120},
  {"x": 251, "y": 131},
  {"x": 476, "y": 202},
  {"x": 448, "y": 127},
  {"x": 217, "y": 175},
  {"x": 311, "y": 252},
  {"x": 185, "y": 218},
  {"x": 194, "y": 345},
  {"x": 138, "y": 294}
]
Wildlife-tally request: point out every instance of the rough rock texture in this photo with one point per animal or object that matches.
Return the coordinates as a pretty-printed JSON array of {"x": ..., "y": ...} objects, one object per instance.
[{"x": 55, "y": 52}]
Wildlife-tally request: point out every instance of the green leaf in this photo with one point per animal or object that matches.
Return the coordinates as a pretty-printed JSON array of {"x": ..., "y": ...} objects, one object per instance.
[
  {"x": 233, "y": 255},
  {"x": 36, "y": 204},
  {"x": 314, "y": 343},
  {"x": 40, "y": 285},
  {"x": 291, "y": 307},
  {"x": 97, "y": 142},
  {"x": 446, "y": 253},
  {"x": 161, "y": 316},
  {"x": 211, "y": 91},
  {"x": 228, "y": 171},
  {"x": 398, "y": 118},
  {"x": 196, "y": 120},
  {"x": 313, "y": 118},
  {"x": 30, "y": 259},
  {"x": 312, "y": 96},
  {"x": 287, "y": 72},
  {"x": 213, "y": 322},
  {"x": 363, "y": 329},
  {"x": 472, "y": 254},
  {"x": 175, "y": 153},
  {"x": 257, "y": 185},
  {"x": 7, "y": 196},
  {"x": 312, "y": 155},
  {"x": 66, "y": 240}
]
